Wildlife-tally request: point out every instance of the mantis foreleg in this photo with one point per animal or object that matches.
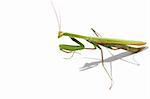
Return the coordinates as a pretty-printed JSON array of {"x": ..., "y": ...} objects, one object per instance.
[{"x": 71, "y": 48}]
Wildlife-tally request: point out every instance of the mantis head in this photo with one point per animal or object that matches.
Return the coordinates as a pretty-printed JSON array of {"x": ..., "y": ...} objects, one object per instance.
[{"x": 60, "y": 34}]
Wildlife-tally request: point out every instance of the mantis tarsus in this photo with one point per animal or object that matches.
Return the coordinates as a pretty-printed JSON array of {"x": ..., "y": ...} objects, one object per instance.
[{"x": 97, "y": 42}]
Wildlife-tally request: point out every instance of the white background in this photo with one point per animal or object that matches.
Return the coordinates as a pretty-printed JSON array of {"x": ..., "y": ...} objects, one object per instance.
[{"x": 32, "y": 67}]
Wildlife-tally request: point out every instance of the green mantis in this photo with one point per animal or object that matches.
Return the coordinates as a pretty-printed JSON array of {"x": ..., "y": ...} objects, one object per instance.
[{"x": 97, "y": 42}]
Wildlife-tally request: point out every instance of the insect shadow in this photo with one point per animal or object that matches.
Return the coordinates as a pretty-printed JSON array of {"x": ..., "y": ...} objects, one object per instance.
[{"x": 109, "y": 59}]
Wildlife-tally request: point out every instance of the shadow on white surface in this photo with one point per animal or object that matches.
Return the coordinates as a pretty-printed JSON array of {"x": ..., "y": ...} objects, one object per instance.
[{"x": 109, "y": 59}]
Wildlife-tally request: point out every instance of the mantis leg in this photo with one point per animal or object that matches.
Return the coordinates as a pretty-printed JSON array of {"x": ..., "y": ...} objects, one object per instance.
[
  {"x": 66, "y": 51},
  {"x": 103, "y": 63},
  {"x": 97, "y": 34},
  {"x": 92, "y": 44},
  {"x": 70, "y": 56},
  {"x": 110, "y": 76},
  {"x": 71, "y": 48}
]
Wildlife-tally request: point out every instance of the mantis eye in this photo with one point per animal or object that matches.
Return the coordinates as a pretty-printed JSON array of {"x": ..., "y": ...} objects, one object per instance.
[{"x": 60, "y": 34}]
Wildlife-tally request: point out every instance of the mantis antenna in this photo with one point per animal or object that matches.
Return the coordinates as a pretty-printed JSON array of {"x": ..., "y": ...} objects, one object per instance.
[{"x": 58, "y": 18}]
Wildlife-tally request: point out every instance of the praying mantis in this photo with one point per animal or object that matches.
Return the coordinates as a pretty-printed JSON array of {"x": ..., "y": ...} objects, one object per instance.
[{"x": 98, "y": 41}]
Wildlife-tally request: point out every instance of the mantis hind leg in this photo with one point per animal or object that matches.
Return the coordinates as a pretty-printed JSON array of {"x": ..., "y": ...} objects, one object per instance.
[
  {"x": 71, "y": 48},
  {"x": 110, "y": 75},
  {"x": 104, "y": 65}
]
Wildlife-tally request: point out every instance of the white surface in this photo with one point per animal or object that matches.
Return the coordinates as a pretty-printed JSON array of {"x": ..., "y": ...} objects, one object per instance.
[{"x": 32, "y": 67}]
